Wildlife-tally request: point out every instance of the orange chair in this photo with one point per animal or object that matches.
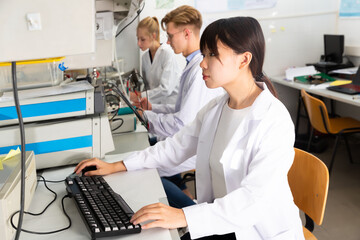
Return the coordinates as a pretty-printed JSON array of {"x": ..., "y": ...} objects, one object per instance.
[
  {"x": 319, "y": 119},
  {"x": 309, "y": 182}
]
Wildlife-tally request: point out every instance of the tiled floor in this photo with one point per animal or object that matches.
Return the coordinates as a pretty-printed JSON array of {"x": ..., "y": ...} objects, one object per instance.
[{"x": 342, "y": 214}]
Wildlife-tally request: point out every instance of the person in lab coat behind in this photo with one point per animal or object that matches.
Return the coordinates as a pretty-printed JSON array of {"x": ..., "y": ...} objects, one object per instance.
[
  {"x": 244, "y": 145},
  {"x": 182, "y": 26},
  {"x": 160, "y": 70}
]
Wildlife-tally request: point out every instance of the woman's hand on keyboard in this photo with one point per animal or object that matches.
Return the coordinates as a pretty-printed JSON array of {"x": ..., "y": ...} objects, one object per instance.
[
  {"x": 163, "y": 215},
  {"x": 102, "y": 168}
]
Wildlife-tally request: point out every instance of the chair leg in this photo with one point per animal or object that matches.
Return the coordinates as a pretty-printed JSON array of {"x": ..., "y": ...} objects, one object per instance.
[
  {"x": 348, "y": 149},
  {"x": 190, "y": 177},
  {"x": 333, "y": 154},
  {"x": 310, "y": 139},
  {"x": 298, "y": 114},
  {"x": 309, "y": 223}
]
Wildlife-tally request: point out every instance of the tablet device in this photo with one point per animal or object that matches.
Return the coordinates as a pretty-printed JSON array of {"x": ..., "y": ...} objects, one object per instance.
[{"x": 128, "y": 103}]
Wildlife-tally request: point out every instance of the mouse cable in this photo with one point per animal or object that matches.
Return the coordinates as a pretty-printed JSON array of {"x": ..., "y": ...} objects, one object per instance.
[
  {"x": 47, "y": 206},
  {"x": 49, "y": 181}
]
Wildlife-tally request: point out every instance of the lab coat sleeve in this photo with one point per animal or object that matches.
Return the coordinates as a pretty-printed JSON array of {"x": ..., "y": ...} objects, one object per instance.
[
  {"x": 273, "y": 155},
  {"x": 168, "y": 153},
  {"x": 167, "y": 124},
  {"x": 163, "y": 108},
  {"x": 169, "y": 77},
  {"x": 188, "y": 165}
]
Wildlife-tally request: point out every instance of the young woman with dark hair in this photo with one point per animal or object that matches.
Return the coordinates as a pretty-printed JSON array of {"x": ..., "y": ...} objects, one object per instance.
[{"x": 243, "y": 142}]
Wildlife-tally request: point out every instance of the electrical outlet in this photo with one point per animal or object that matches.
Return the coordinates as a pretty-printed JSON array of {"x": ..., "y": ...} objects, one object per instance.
[
  {"x": 34, "y": 21},
  {"x": 99, "y": 26},
  {"x": 103, "y": 25}
]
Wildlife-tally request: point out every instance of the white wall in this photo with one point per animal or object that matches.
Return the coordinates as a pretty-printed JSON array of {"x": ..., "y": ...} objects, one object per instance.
[
  {"x": 350, "y": 28},
  {"x": 292, "y": 38},
  {"x": 291, "y": 35},
  {"x": 293, "y": 31}
]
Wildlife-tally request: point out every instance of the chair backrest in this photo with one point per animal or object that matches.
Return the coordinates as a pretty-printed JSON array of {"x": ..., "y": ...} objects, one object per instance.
[
  {"x": 313, "y": 106},
  {"x": 309, "y": 181}
]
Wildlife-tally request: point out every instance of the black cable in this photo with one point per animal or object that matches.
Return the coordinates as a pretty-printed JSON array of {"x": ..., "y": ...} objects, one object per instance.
[
  {"x": 114, "y": 112},
  {"x": 147, "y": 99},
  {"x": 146, "y": 123},
  {"x": 22, "y": 137},
  {"x": 138, "y": 13},
  {"x": 144, "y": 115},
  {"x": 50, "y": 181},
  {"x": 146, "y": 90},
  {"x": 115, "y": 120},
  {"x": 47, "y": 206}
]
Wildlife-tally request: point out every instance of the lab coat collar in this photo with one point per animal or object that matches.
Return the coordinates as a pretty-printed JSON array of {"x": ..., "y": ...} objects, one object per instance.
[
  {"x": 193, "y": 61},
  {"x": 262, "y": 102},
  {"x": 260, "y": 105},
  {"x": 161, "y": 48},
  {"x": 191, "y": 55}
]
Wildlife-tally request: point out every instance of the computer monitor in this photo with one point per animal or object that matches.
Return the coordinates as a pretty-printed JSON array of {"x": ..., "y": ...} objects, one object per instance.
[
  {"x": 356, "y": 78},
  {"x": 334, "y": 48}
]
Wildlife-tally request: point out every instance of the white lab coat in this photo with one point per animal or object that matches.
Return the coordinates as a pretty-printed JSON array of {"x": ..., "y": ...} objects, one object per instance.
[
  {"x": 166, "y": 119},
  {"x": 259, "y": 203},
  {"x": 162, "y": 75}
]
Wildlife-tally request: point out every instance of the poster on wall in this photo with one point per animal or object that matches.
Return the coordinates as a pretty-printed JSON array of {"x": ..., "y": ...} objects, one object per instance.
[
  {"x": 164, "y": 4},
  {"x": 211, "y": 6},
  {"x": 349, "y": 8}
]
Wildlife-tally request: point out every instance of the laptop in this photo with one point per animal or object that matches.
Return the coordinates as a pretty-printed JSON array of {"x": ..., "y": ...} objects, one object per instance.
[{"x": 352, "y": 88}]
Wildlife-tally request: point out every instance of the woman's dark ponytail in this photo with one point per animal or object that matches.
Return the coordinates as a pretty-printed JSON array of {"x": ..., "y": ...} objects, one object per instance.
[{"x": 262, "y": 78}]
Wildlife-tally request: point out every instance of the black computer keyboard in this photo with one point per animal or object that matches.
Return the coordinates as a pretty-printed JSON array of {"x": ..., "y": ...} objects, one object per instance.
[{"x": 104, "y": 212}]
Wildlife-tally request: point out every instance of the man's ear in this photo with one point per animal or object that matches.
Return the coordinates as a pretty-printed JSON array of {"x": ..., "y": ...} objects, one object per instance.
[{"x": 187, "y": 32}]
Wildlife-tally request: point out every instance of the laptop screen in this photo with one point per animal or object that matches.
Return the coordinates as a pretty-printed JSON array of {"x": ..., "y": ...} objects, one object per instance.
[{"x": 356, "y": 79}]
